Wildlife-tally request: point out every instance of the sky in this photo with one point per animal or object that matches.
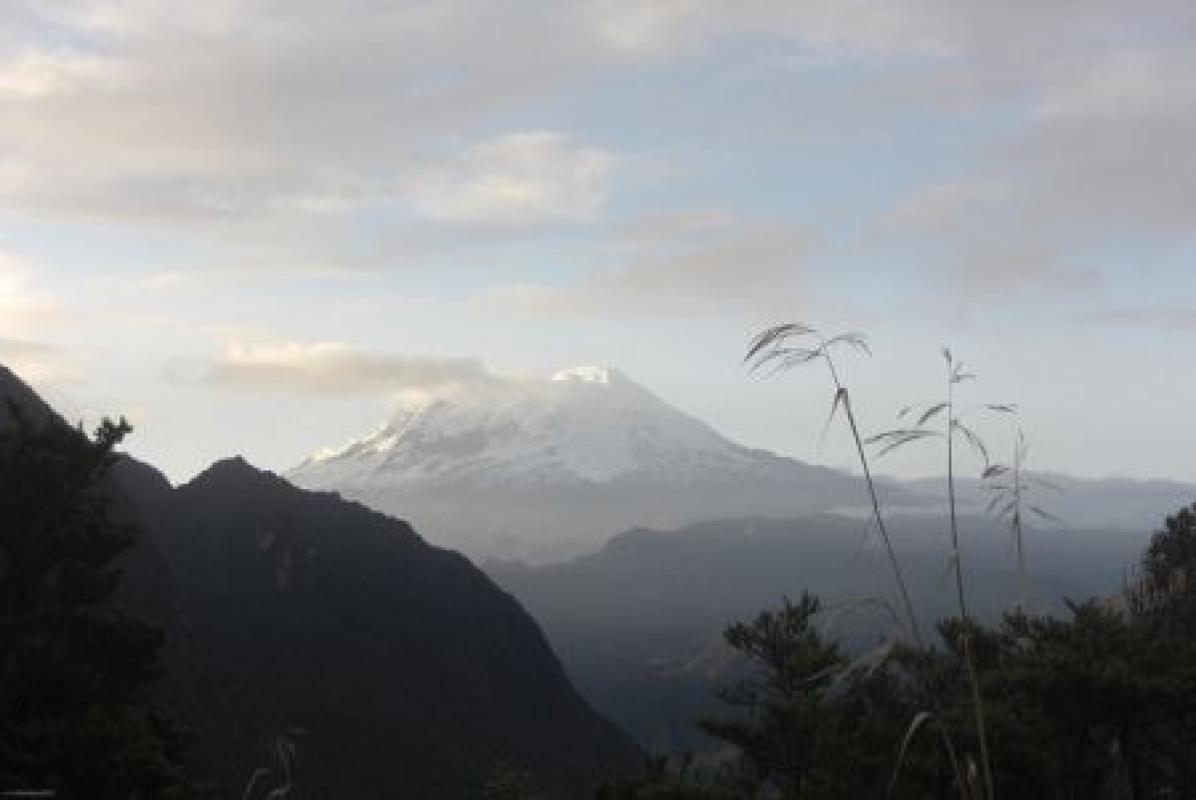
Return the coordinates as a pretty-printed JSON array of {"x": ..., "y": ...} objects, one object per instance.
[{"x": 249, "y": 225}]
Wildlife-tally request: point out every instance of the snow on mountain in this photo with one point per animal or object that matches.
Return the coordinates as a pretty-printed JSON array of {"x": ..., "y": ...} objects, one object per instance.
[
  {"x": 541, "y": 470},
  {"x": 585, "y": 425}
]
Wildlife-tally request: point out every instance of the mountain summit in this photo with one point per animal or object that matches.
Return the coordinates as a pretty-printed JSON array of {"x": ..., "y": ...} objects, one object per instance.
[
  {"x": 545, "y": 469},
  {"x": 601, "y": 375},
  {"x": 587, "y": 425}
]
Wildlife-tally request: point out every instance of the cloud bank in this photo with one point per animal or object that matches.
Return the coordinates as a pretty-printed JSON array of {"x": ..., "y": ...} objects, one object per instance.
[{"x": 324, "y": 368}]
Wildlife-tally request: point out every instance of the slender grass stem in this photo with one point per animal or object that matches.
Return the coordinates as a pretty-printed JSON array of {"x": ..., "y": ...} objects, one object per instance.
[
  {"x": 882, "y": 528},
  {"x": 898, "y": 573},
  {"x": 957, "y": 561},
  {"x": 1016, "y": 521}
]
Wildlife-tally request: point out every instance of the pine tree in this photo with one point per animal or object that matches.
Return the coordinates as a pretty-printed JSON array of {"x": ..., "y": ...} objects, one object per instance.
[
  {"x": 75, "y": 666},
  {"x": 805, "y": 720}
]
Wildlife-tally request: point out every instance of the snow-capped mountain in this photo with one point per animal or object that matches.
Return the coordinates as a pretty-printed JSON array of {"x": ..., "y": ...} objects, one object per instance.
[
  {"x": 542, "y": 470},
  {"x": 587, "y": 425}
]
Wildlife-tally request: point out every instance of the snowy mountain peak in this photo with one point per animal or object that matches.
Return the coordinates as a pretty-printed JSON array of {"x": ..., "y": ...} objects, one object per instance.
[
  {"x": 536, "y": 468},
  {"x": 584, "y": 425},
  {"x": 604, "y": 376}
]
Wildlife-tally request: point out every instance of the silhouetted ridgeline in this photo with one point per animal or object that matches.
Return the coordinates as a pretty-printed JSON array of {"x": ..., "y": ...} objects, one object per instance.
[{"x": 398, "y": 667}]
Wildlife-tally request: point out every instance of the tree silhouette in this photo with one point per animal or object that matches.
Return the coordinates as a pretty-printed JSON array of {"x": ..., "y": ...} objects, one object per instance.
[
  {"x": 1168, "y": 585},
  {"x": 75, "y": 666}
]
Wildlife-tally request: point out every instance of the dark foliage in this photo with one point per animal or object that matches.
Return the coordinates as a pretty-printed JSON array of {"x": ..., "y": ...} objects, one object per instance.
[
  {"x": 507, "y": 781},
  {"x": 76, "y": 666},
  {"x": 789, "y": 718},
  {"x": 1167, "y": 591},
  {"x": 1097, "y": 703},
  {"x": 666, "y": 778}
]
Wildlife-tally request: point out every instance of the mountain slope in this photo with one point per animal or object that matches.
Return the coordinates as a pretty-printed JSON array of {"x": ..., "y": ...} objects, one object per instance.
[
  {"x": 130, "y": 485},
  {"x": 14, "y": 391},
  {"x": 409, "y": 670},
  {"x": 541, "y": 470}
]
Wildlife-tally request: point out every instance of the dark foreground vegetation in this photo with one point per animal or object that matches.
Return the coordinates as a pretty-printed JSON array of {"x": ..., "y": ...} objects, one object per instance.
[
  {"x": 1099, "y": 704},
  {"x": 76, "y": 667}
]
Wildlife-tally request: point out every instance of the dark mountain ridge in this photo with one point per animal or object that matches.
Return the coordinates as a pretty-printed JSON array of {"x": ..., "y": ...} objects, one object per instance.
[{"x": 309, "y": 612}]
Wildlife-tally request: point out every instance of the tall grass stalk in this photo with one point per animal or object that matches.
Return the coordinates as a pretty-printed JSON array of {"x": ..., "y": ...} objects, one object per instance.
[
  {"x": 954, "y": 427},
  {"x": 1012, "y": 489},
  {"x": 772, "y": 348},
  {"x": 957, "y": 374},
  {"x": 285, "y": 754}
]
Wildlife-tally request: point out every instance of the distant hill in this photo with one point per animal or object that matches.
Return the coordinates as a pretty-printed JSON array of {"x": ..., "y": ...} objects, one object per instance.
[
  {"x": 399, "y": 668},
  {"x": 1080, "y": 503},
  {"x": 638, "y": 624}
]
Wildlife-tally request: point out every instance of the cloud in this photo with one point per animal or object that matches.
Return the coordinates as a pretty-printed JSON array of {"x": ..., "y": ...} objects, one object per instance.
[
  {"x": 380, "y": 140},
  {"x": 40, "y": 74},
  {"x": 243, "y": 109},
  {"x": 38, "y": 363},
  {"x": 24, "y": 348},
  {"x": 516, "y": 179},
  {"x": 988, "y": 267},
  {"x": 753, "y": 267},
  {"x": 1176, "y": 317},
  {"x": 146, "y": 117},
  {"x": 640, "y": 29},
  {"x": 1098, "y": 157},
  {"x": 1110, "y": 145},
  {"x": 322, "y": 368},
  {"x": 233, "y": 114},
  {"x": 232, "y": 109},
  {"x": 673, "y": 225},
  {"x": 1015, "y": 37},
  {"x": 168, "y": 281},
  {"x": 945, "y": 204}
]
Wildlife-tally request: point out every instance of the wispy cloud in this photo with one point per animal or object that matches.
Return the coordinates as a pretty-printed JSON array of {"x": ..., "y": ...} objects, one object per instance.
[
  {"x": 672, "y": 226},
  {"x": 323, "y": 367},
  {"x": 996, "y": 44},
  {"x": 756, "y": 268},
  {"x": 1176, "y": 317},
  {"x": 1100, "y": 156},
  {"x": 39, "y": 363},
  {"x": 516, "y": 179},
  {"x": 1109, "y": 146}
]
